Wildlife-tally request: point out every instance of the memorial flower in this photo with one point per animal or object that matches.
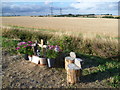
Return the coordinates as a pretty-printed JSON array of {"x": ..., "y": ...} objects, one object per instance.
[
  {"x": 53, "y": 51},
  {"x": 25, "y": 48}
]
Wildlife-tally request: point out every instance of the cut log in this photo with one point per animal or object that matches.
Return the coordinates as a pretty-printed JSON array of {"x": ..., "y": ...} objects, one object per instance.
[
  {"x": 68, "y": 60},
  {"x": 73, "y": 74}
]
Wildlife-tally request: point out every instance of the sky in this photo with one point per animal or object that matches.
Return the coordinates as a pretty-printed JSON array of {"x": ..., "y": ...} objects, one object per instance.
[{"x": 43, "y": 7}]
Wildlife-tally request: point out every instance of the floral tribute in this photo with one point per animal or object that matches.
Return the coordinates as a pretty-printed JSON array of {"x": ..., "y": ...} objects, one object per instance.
[
  {"x": 53, "y": 51},
  {"x": 25, "y": 48}
]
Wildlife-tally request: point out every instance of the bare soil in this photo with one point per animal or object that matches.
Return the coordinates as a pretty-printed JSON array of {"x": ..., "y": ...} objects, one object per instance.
[{"x": 20, "y": 73}]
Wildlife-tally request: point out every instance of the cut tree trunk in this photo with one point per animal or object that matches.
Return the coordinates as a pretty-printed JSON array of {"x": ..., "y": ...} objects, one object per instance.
[
  {"x": 73, "y": 74},
  {"x": 68, "y": 60}
]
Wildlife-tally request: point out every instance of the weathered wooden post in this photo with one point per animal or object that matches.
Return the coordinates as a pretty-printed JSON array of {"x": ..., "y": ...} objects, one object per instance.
[
  {"x": 73, "y": 68},
  {"x": 68, "y": 60},
  {"x": 73, "y": 74}
]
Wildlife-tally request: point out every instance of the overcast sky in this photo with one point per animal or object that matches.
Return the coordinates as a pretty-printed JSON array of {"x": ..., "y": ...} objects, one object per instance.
[{"x": 42, "y": 7}]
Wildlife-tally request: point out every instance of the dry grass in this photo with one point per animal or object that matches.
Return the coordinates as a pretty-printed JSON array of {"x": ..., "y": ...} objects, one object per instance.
[{"x": 89, "y": 27}]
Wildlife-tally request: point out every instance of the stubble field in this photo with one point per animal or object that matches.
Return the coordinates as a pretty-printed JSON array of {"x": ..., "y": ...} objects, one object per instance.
[{"x": 89, "y": 27}]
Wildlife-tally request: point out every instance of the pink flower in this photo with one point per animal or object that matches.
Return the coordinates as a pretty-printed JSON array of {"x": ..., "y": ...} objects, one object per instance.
[
  {"x": 17, "y": 48},
  {"x": 23, "y": 43},
  {"x": 30, "y": 42},
  {"x": 25, "y": 46},
  {"x": 51, "y": 47},
  {"x": 19, "y": 44},
  {"x": 57, "y": 48},
  {"x": 29, "y": 45}
]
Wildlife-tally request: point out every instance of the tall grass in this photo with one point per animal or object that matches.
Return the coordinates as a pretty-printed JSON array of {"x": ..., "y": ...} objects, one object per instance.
[{"x": 96, "y": 46}]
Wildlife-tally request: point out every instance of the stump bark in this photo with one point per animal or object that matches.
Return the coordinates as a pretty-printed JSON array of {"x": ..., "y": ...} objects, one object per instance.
[
  {"x": 73, "y": 74},
  {"x": 68, "y": 60}
]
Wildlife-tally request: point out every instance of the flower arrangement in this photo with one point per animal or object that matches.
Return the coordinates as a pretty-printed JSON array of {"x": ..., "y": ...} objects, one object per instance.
[
  {"x": 25, "y": 48},
  {"x": 53, "y": 51}
]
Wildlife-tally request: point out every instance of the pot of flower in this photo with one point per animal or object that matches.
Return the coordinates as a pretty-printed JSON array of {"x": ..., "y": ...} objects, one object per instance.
[
  {"x": 52, "y": 53},
  {"x": 43, "y": 61},
  {"x": 25, "y": 48}
]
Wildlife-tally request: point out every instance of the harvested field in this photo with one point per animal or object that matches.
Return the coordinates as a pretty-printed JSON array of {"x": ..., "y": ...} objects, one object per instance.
[{"x": 87, "y": 26}]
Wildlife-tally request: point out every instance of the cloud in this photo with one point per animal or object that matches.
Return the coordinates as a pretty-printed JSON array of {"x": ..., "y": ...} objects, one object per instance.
[
  {"x": 67, "y": 7},
  {"x": 48, "y": 2},
  {"x": 95, "y": 5},
  {"x": 11, "y": 7},
  {"x": 83, "y": 5},
  {"x": 97, "y": 0},
  {"x": 37, "y": 0}
]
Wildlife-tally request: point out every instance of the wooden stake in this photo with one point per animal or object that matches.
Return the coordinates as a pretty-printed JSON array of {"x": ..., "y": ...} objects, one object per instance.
[{"x": 42, "y": 43}]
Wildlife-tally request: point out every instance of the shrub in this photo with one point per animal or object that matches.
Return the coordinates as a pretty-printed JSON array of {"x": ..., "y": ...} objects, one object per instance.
[{"x": 107, "y": 17}]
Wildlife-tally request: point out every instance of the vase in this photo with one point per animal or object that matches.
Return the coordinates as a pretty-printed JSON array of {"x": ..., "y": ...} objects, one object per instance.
[
  {"x": 43, "y": 61},
  {"x": 26, "y": 57},
  {"x": 35, "y": 59},
  {"x": 51, "y": 62}
]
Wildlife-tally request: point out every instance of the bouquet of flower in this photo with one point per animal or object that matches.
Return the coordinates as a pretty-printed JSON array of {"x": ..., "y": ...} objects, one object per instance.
[
  {"x": 25, "y": 48},
  {"x": 53, "y": 51}
]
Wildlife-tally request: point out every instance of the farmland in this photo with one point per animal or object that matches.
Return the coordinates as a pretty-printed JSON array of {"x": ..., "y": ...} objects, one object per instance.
[{"x": 89, "y": 27}]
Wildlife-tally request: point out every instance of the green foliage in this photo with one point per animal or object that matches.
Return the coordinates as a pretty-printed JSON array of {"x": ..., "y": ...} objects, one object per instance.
[
  {"x": 117, "y": 17},
  {"x": 25, "y": 48},
  {"x": 9, "y": 45},
  {"x": 96, "y": 47},
  {"x": 107, "y": 17},
  {"x": 102, "y": 69}
]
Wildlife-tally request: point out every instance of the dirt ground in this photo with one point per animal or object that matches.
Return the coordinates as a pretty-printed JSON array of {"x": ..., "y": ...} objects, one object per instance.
[{"x": 20, "y": 73}]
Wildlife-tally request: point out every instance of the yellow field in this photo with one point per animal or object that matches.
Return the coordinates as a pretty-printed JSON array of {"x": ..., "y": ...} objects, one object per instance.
[{"x": 86, "y": 26}]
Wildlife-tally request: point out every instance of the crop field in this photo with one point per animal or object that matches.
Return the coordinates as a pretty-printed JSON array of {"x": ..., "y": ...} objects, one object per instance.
[{"x": 89, "y": 27}]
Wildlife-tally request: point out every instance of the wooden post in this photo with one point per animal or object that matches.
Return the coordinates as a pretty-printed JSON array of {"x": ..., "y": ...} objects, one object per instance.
[
  {"x": 42, "y": 42},
  {"x": 73, "y": 74},
  {"x": 68, "y": 60}
]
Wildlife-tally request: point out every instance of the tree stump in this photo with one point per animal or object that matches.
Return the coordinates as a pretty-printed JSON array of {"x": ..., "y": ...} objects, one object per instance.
[
  {"x": 73, "y": 74},
  {"x": 68, "y": 60}
]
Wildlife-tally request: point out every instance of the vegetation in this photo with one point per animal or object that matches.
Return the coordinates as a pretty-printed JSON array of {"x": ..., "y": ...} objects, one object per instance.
[
  {"x": 97, "y": 47},
  {"x": 100, "y": 55},
  {"x": 107, "y": 17},
  {"x": 117, "y": 17}
]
